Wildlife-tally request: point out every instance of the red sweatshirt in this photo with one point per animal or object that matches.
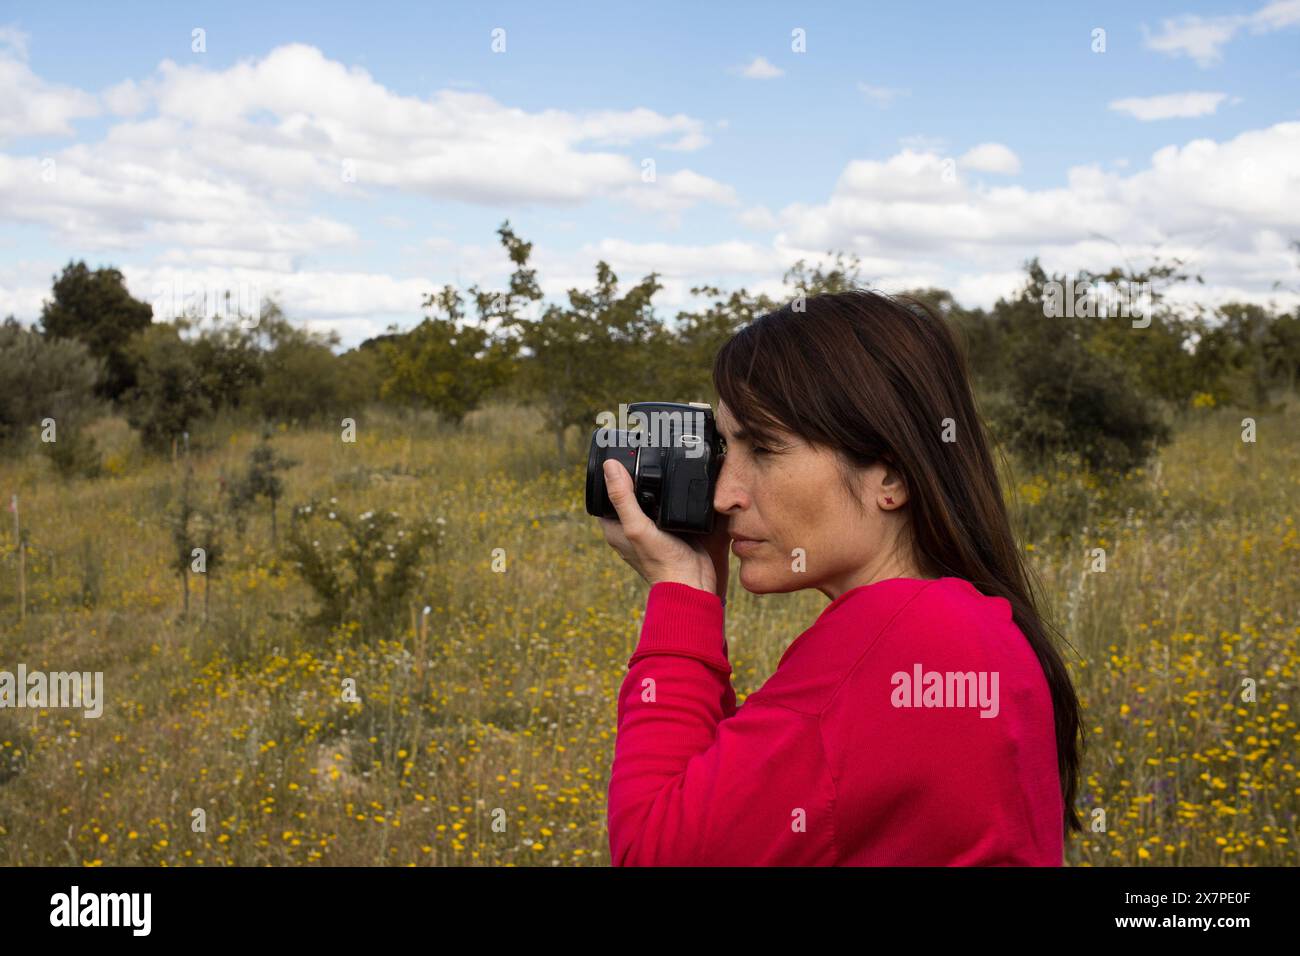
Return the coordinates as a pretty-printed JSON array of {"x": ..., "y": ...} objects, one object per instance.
[{"x": 910, "y": 725}]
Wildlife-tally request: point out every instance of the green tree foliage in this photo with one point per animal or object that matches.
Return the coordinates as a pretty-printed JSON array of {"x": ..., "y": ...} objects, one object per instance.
[
  {"x": 229, "y": 363},
  {"x": 444, "y": 363},
  {"x": 44, "y": 378},
  {"x": 844, "y": 276},
  {"x": 1282, "y": 351},
  {"x": 75, "y": 453},
  {"x": 1249, "y": 354},
  {"x": 602, "y": 349},
  {"x": 193, "y": 529},
  {"x": 1087, "y": 384},
  {"x": 1053, "y": 393},
  {"x": 260, "y": 481},
  {"x": 95, "y": 308},
  {"x": 361, "y": 373},
  {"x": 695, "y": 339},
  {"x": 168, "y": 395},
  {"x": 302, "y": 379},
  {"x": 1159, "y": 356}
]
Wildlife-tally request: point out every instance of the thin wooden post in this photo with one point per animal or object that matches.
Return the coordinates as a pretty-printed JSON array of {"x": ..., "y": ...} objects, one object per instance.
[
  {"x": 22, "y": 581},
  {"x": 22, "y": 561}
]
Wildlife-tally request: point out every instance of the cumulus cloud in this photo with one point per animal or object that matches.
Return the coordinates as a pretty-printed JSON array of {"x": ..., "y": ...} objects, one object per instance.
[
  {"x": 1169, "y": 106},
  {"x": 759, "y": 218},
  {"x": 30, "y": 106},
  {"x": 1211, "y": 202},
  {"x": 222, "y": 160},
  {"x": 990, "y": 158},
  {"x": 760, "y": 69},
  {"x": 1203, "y": 38}
]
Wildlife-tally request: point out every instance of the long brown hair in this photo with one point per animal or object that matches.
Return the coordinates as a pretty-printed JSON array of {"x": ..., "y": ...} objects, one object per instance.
[{"x": 881, "y": 378}]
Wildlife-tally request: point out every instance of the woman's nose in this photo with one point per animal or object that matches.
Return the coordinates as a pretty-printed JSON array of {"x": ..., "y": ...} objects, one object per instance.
[{"x": 728, "y": 494}]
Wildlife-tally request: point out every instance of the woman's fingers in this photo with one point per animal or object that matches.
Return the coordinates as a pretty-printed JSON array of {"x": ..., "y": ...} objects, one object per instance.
[
  {"x": 614, "y": 535},
  {"x": 619, "y": 485},
  {"x": 655, "y": 554}
]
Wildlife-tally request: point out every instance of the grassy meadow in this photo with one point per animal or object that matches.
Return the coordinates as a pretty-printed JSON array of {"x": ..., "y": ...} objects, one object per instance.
[{"x": 485, "y": 728}]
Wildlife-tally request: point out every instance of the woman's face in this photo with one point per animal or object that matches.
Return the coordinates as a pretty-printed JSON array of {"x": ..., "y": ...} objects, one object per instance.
[{"x": 790, "y": 496}]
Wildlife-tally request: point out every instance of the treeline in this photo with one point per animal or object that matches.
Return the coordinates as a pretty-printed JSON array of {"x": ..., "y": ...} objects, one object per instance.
[{"x": 1105, "y": 387}]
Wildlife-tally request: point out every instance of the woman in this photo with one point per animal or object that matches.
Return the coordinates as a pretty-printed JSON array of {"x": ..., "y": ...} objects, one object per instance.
[{"x": 926, "y": 717}]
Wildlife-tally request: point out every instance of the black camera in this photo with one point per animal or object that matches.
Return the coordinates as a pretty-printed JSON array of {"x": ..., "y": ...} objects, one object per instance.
[{"x": 673, "y": 453}]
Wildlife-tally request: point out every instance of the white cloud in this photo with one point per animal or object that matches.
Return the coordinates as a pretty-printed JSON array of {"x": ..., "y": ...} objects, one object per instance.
[
  {"x": 29, "y": 106},
  {"x": 990, "y": 158},
  {"x": 880, "y": 95},
  {"x": 1169, "y": 106},
  {"x": 1211, "y": 202},
  {"x": 90, "y": 200},
  {"x": 905, "y": 176},
  {"x": 757, "y": 217},
  {"x": 1203, "y": 38},
  {"x": 224, "y": 160},
  {"x": 126, "y": 98},
  {"x": 678, "y": 191},
  {"x": 760, "y": 69},
  {"x": 15, "y": 41},
  {"x": 982, "y": 290}
]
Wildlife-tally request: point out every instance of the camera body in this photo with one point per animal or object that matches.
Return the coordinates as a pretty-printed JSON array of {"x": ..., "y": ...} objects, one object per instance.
[{"x": 673, "y": 452}]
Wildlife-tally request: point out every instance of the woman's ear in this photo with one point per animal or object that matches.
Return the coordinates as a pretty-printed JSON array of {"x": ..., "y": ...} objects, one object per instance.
[{"x": 893, "y": 491}]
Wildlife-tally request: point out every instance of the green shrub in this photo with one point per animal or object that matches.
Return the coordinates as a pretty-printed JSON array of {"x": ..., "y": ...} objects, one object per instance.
[{"x": 363, "y": 569}]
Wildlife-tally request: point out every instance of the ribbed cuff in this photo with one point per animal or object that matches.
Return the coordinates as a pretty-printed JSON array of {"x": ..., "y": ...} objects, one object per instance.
[{"x": 686, "y": 621}]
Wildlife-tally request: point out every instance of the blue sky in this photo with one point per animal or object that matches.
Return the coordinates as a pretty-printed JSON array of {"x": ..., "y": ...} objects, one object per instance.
[{"x": 942, "y": 143}]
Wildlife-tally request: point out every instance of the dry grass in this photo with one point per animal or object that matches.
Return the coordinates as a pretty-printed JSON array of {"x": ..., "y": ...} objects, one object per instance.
[{"x": 485, "y": 736}]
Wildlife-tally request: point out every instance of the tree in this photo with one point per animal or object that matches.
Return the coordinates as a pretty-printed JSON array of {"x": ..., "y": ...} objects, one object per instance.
[
  {"x": 184, "y": 538},
  {"x": 168, "y": 395},
  {"x": 228, "y": 362},
  {"x": 302, "y": 378},
  {"x": 1282, "y": 351},
  {"x": 261, "y": 481},
  {"x": 843, "y": 277},
  {"x": 1158, "y": 357},
  {"x": 44, "y": 378},
  {"x": 1057, "y": 395},
  {"x": 1255, "y": 351},
  {"x": 444, "y": 363},
  {"x": 208, "y": 533},
  {"x": 196, "y": 542},
  {"x": 603, "y": 349},
  {"x": 687, "y": 372},
  {"x": 95, "y": 308}
]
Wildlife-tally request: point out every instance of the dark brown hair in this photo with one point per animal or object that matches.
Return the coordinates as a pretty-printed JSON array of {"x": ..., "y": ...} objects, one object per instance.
[{"x": 880, "y": 378}]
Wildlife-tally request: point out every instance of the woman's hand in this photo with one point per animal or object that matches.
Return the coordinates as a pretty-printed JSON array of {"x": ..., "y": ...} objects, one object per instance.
[{"x": 657, "y": 555}]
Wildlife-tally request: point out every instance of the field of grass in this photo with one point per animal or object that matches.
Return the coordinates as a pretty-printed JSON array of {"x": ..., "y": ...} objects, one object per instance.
[{"x": 485, "y": 728}]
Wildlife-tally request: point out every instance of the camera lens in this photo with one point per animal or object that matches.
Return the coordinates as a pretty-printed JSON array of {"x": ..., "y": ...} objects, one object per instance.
[{"x": 623, "y": 447}]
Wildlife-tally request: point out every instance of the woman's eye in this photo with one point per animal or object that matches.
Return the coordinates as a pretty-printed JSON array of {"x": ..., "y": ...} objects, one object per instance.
[{"x": 760, "y": 450}]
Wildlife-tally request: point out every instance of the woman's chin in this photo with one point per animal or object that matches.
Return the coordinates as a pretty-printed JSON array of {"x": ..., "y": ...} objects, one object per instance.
[
  {"x": 752, "y": 577},
  {"x": 757, "y": 579}
]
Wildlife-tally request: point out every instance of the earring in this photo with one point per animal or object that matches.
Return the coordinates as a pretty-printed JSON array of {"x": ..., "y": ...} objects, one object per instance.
[{"x": 889, "y": 501}]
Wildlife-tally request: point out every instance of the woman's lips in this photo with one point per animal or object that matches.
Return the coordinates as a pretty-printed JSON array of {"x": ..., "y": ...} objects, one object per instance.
[{"x": 744, "y": 546}]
